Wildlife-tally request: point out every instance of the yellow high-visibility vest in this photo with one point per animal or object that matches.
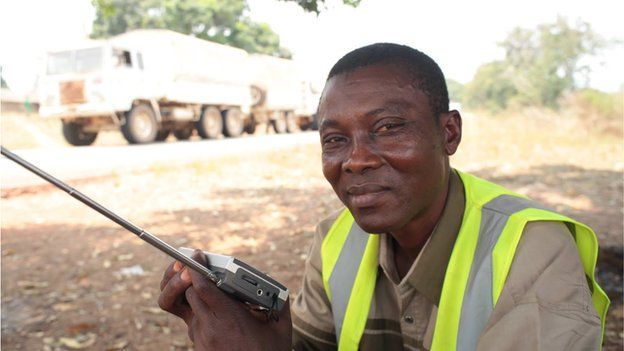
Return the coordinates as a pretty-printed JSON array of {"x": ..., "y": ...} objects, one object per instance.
[{"x": 493, "y": 222}]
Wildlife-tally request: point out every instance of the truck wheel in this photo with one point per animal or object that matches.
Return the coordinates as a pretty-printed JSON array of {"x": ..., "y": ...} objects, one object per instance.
[
  {"x": 141, "y": 126},
  {"x": 258, "y": 95},
  {"x": 250, "y": 127},
  {"x": 162, "y": 134},
  {"x": 305, "y": 125},
  {"x": 233, "y": 122},
  {"x": 279, "y": 124},
  {"x": 75, "y": 135},
  {"x": 291, "y": 123},
  {"x": 314, "y": 125},
  {"x": 183, "y": 134},
  {"x": 210, "y": 124}
]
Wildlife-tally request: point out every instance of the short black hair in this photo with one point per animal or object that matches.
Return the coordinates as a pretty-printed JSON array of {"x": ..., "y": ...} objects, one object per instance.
[{"x": 426, "y": 74}]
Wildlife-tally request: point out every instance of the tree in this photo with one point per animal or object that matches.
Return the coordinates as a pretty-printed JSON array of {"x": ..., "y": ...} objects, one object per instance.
[
  {"x": 3, "y": 83},
  {"x": 221, "y": 21},
  {"x": 547, "y": 61},
  {"x": 313, "y": 5},
  {"x": 540, "y": 65},
  {"x": 455, "y": 90},
  {"x": 491, "y": 88}
]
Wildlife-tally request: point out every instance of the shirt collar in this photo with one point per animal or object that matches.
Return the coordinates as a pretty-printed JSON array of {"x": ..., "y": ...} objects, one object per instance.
[{"x": 427, "y": 272}]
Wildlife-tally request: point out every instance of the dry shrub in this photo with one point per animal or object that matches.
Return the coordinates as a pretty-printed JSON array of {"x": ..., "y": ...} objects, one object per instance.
[
  {"x": 519, "y": 140},
  {"x": 598, "y": 110}
]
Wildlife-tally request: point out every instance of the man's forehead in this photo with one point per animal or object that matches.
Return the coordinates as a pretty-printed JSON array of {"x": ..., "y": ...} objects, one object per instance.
[
  {"x": 395, "y": 72},
  {"x": 384, "y": 86}
]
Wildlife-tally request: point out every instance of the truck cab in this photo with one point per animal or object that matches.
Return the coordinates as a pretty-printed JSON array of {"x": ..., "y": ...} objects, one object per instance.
[{"x": 89, "y": 87}]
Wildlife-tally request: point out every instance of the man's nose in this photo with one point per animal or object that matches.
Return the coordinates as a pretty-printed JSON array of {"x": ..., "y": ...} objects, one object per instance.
[{"x": 362, "y": 157}]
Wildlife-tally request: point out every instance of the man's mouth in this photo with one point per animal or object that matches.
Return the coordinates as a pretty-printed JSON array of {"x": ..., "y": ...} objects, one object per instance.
[{"x": 365, "y": 195}]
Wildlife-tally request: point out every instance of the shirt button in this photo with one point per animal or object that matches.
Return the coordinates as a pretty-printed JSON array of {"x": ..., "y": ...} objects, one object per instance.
[{"x": 408, "y": 319}]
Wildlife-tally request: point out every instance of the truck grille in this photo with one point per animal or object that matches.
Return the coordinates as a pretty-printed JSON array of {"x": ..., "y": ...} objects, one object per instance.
[{"x": 72, "y": 92}]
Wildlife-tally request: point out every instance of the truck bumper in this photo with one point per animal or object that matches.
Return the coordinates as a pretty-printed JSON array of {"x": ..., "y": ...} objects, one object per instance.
[{"x": 76, "y": 111}]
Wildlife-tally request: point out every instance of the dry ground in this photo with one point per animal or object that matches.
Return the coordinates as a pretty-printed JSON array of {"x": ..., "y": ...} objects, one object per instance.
[
  {"x": 71, "y": 279},
  {"x": 19, "y": 131}
]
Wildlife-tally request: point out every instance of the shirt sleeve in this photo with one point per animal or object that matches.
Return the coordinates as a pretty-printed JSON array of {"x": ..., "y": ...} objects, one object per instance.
[
  {"x": 313, "y": 322},
  {"x": 545, "y": 303}
]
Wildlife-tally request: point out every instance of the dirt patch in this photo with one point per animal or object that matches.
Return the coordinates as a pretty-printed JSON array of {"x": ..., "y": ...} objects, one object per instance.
[{"x": 71, "y": 279}]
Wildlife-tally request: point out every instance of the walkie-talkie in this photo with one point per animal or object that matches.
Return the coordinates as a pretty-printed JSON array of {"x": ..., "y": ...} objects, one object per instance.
[{"x": 228, "y": 273}]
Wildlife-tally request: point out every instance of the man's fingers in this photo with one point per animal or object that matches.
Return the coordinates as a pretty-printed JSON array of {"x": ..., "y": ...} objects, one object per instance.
[
  {"x": 202, "y": 283},
  {"x": 197, "y": 304},
  {"x": 206, "y": 289},
  {"x": 171, "y": 270},
  {"x": 177, "y": 266},
  {"x": 199, "y": 256},
  {"x": 172, "y": 295}
]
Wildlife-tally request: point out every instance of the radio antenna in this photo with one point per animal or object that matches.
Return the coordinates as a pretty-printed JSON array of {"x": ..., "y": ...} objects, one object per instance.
[{"x": 144, "y": 235}]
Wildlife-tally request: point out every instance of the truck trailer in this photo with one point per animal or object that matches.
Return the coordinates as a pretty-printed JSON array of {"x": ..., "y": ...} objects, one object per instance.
[{"x": 150, "y": 83}]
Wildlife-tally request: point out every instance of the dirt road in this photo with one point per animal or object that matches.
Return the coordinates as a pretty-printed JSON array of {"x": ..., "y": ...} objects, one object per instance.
[
  {"x": 72, "y": 163},
  {"x": 73, "y": 280}
]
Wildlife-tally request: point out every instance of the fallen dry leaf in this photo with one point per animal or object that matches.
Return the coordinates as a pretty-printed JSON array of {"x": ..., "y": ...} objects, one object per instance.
[
  {"x": 118, "y": 344},
  {"x": 81, "y": 327},
  {"x": 30, "y": 285},
  {"x": 152, "y": 310},
  {"x": 135, "y": 270},
  {"x": 179, "y": 343},
  {"x": 62, "y": 307},
  {"x": 79, "y": 342},
  {"x": 125, "y": 257},
  {"x": 8, "y": 252}
]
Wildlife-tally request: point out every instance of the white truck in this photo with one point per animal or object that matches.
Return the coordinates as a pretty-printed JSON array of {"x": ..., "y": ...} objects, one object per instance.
[
  {"x": 279, "y": 95},
  {"x": 150, "y": 83}
]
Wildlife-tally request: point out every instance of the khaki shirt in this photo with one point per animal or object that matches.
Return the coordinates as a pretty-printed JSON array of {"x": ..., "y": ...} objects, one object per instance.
[{"x": 545, "y": 303}]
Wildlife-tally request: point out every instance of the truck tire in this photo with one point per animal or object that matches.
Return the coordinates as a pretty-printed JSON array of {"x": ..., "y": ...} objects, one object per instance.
[
  {"x": 210, "y": 123},
  {"x": 291, "y": 123},
  {"x": 279, "y": 124},
  {"x": 75, "y": 135},
  {"x": 183, "y": 134},
  {"x": 314, "y": 125},
  {"x": 258, "y": 95},
  {"x": 140, "y": 126},
  {"x": 250, "y": 127},
  {"x": 233, "y": 122},
  {"x": 162, "y": 134}
]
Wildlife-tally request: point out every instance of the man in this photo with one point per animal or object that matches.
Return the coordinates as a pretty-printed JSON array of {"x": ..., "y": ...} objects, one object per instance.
[{"x": 457, "y": 262}]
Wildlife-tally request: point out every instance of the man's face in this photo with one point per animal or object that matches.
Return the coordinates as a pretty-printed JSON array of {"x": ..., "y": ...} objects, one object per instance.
[{"x": 383, "y": 152}]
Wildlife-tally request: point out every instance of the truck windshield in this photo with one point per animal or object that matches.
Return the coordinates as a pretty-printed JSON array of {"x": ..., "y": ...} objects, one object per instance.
[{"x": 78, "y": 61}]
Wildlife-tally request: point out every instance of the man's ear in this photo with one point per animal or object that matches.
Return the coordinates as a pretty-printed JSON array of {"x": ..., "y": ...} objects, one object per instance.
[{"x": 451, "y": 126}]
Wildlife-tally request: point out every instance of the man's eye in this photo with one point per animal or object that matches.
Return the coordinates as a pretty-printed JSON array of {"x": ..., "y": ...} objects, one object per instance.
[
  {"x": 333, "y": 139},
  {"x": 388, "y": 126}
]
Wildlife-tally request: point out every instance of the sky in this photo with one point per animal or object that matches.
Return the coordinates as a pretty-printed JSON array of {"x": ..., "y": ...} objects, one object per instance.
[{"x": 459, "y": 35}]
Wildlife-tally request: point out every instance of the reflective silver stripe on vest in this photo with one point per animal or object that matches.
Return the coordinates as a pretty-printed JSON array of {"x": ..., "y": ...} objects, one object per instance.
[
  {"x": 343, "y": 276},
  {"x": 477, "y": 304}
]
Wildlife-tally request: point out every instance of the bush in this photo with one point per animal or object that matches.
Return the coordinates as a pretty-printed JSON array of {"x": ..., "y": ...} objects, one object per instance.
[{"x": 594, "y": 104}]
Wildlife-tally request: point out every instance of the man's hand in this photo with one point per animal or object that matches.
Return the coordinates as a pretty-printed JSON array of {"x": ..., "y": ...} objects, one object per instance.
[{"x": 215, "y": 320}]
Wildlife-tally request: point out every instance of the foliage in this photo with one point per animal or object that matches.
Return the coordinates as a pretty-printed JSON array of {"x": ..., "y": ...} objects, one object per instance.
[
  {"x": 3, "y": 83},
  {"x": 223, "y": 21},
  {"x": 313, "y": 5},
  {"x": 491, "y": 88},
  {"x": 595, "y": 103},
  {"x": 455, "y": 90},
  {"x": 540, "y": 65},
  {"x": 257, "y": 38}
]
